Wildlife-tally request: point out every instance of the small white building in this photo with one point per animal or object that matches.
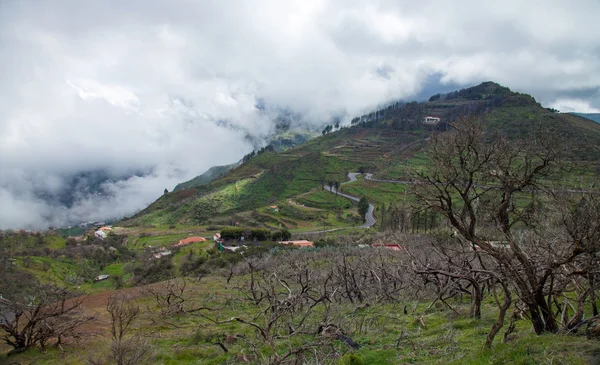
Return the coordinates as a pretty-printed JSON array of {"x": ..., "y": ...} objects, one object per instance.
[
  {"x": 100, "y": 234},
  {"x": 431, "y": 120},
  {"x": 101, "y": 277},
  {"x": 234, "y": 248}
]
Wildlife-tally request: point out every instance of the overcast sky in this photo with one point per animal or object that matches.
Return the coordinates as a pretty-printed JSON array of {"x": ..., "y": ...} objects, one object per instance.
[{"x": 139, "y": 85}]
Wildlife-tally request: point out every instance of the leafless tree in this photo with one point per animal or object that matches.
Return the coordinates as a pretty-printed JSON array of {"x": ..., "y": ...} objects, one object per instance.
[
  {"x": 474, "y": 179},
  {"x": 127, "y": 348},
  {"x": 52, "y": 313}
]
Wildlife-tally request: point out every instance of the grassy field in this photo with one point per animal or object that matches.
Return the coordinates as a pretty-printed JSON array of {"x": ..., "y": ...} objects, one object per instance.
[
  {"x": 378, "y": 192},
  {"x": 385, "y": 334},
  {"x": 324, "y": 200},
  {"x": 156, "y": 240}
]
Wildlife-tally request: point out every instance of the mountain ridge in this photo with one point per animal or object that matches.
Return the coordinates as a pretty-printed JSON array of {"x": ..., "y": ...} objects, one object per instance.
[{"x": 380, "y": 142}]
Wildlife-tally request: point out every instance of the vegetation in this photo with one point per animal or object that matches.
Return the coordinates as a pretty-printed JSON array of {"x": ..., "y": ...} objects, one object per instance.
[
  {"x": 542, "y": 247},
  {"x": 363, "y": 206}
]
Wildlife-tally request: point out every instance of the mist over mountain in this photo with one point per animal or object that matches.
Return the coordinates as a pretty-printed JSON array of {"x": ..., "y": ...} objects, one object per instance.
[
  {"x": 591, "y": 116},
  {"x": 134, "y": 97}
]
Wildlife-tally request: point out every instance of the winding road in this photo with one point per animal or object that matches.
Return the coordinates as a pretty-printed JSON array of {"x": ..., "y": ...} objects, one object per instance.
[{"x": 369, "y": 218}]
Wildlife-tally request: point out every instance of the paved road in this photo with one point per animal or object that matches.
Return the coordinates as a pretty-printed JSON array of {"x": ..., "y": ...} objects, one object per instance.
[{"x": 369, "y": 218}]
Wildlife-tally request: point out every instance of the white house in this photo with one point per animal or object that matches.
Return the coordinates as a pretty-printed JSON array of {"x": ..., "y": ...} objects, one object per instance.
[
  {"x": 100, "y": 234},
  {"x": 431, "y": 120},
  {"x": 101, "y": 277}
]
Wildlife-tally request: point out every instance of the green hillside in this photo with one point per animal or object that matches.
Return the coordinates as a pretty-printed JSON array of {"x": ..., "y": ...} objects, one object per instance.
[
  {"x": 385, "y": 142},
  {"x": 279, "y": 143},
  {"x": 206, "y": 177}
]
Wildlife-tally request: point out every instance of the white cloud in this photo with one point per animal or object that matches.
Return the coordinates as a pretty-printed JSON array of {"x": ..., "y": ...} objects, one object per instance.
[
  {"x": 574, "y": 105},
  {"x": 140, "y": 85}
]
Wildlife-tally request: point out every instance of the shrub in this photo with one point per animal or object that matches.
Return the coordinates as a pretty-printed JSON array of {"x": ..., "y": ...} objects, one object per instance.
[
  {"x": 281, "y": 235},
  {"x": 351, "y": 359},
  {"x": 158, "y": 270},
  {"x": 260, "y": 234},
  {"x": 232, "y": 233}
]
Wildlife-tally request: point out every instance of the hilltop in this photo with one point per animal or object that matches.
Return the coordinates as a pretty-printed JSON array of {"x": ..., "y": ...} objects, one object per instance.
[{"x": 386, "y": 142}]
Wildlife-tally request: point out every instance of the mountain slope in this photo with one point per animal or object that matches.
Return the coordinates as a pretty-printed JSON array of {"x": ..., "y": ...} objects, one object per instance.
[
  {"x": 386, "y": 142},
  {"x": 208, "y": 176},
  {"x": 281, "y": 142}
]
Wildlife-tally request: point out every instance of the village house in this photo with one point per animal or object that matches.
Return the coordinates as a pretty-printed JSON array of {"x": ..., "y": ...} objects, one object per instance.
[
  {"x": 101, "y": 277},
  {"x": 431, "y": 120},
  {"x": 100, "y": 234},
  {"x": 234, "y": 248},
  {"x": 162, "y": 253}
]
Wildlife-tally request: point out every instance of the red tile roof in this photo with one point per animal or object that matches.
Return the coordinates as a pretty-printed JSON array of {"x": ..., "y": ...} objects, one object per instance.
[{"x": 189, "y": 240}]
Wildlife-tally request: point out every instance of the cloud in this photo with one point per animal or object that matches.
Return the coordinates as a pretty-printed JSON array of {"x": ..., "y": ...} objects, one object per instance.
[
  {"x": 171, "y": 89},
  {"x": 574, "y": 105}
]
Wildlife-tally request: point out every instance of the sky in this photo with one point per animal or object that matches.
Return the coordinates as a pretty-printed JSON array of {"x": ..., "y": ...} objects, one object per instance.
[{"x": 140, "y": 89}]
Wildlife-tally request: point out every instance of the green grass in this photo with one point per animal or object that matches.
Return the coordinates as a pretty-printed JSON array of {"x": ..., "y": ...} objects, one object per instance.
[
  {"x": 378, "y": 192},
  {"x": 157, "y": 241},
  {"x": 18, "y": 242},
  {"x": 55, "y": 242},
  {"x": 324, "y": 200},
  {"x": 385, "y": 334},
  {"x": 59, "y": 271},
  {"x": 114, "y": 269}
]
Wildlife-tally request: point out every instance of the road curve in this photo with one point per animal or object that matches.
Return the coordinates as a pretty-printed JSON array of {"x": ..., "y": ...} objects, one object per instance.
[{"x": 369, "y": 217}]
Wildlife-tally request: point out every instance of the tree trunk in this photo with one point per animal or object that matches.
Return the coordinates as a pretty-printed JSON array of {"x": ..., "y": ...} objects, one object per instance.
[
  {"x": 500, "y": 322},
  {"x": 475, "y": 311},
  {"x": 535, "y": 318},
  {"x": 549, "y": 319}
]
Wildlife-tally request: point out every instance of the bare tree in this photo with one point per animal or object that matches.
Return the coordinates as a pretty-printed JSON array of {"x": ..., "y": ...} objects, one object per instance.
[
  {"x": 474, "y": 180},
  {"x": 52, "y": 313},
  {"x": 126, "y": 348}
]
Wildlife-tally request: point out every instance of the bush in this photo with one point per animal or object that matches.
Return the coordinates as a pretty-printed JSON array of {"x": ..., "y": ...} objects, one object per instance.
[
  {"x": 285, "y": 235},
  {"x": 158, "y": 270},
  {"x": 351, "y": 359},
  {"x": 192, "y": 264},
  {"x": 118, "y": 281},
  {"x": 260, "y": 234},
  {"x": 281, "y": 235},
  {"x": 325, "y": 242},
  {"x": 232, "y": 233}
]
